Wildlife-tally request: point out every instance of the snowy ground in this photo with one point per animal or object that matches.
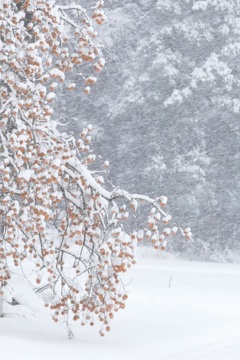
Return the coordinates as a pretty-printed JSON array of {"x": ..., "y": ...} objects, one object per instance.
[{"x": 196, "y": 318}]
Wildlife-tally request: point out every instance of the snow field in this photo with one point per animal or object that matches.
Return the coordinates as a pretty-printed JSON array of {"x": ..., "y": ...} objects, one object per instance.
[{"x": 176, "y": 310}]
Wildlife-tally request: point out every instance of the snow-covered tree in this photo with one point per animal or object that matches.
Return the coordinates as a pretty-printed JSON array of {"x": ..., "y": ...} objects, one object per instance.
[
  {"x": 59, "y": 224},
  {"x": 169, "y": 109}
]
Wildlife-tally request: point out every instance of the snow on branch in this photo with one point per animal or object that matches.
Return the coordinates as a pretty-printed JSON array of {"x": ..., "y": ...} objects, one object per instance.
[{"x": 56, "y": 216}]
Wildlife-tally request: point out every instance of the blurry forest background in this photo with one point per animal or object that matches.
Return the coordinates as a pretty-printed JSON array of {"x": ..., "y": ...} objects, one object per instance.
[{"x": 166, "y": 113}]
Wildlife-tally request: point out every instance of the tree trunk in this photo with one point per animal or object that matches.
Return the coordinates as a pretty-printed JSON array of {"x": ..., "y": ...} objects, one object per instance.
[{"x": 1, "y": 303}]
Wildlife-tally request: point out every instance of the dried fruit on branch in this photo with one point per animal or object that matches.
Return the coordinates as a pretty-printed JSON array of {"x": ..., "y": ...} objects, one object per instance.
[{"x": 54, "y": 212}]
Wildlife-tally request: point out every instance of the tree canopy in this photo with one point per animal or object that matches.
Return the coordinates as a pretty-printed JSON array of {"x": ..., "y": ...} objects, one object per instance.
[{"x": 59, "y": 223}]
